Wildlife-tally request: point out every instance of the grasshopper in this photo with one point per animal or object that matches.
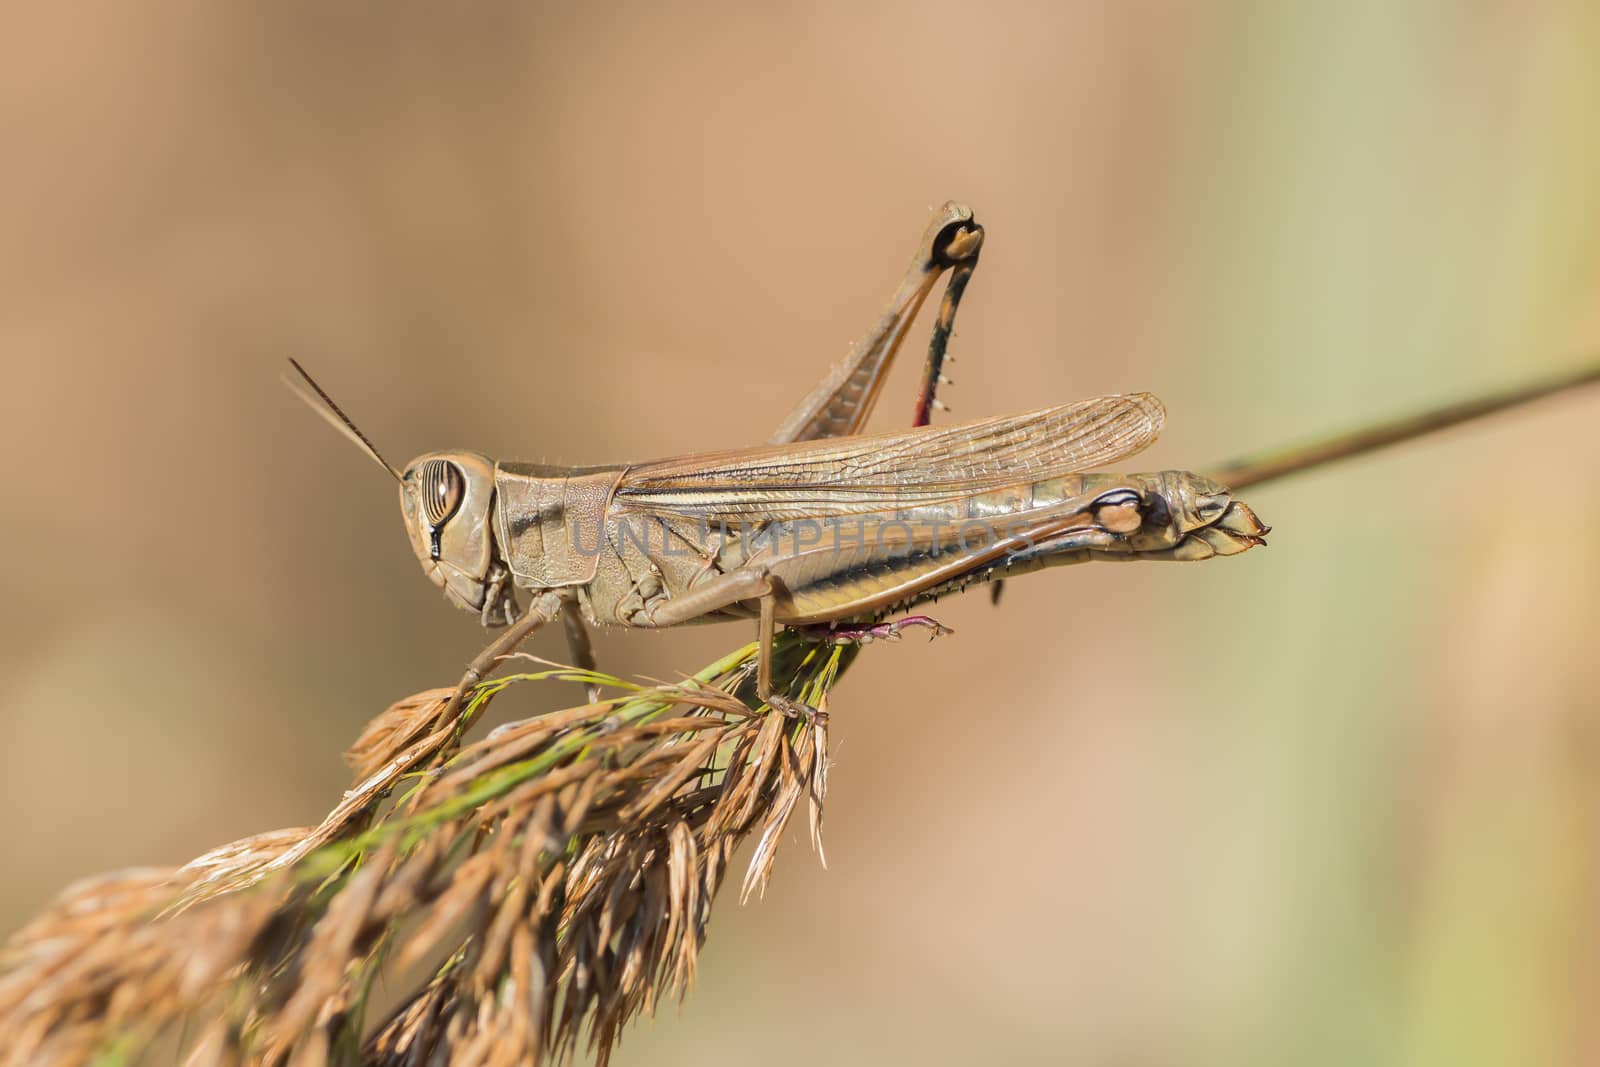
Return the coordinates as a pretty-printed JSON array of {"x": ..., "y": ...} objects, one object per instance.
[{"x": 823, "y": 528}]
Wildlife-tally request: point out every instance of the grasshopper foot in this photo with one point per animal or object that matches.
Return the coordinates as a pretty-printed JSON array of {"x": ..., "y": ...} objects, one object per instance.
[
  {"x": 883, "y": 631},
  {"x": 796, "y": 709}
]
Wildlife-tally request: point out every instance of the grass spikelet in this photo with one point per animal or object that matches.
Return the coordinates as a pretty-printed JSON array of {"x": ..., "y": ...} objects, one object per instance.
[{"x": 561, "y": 871}]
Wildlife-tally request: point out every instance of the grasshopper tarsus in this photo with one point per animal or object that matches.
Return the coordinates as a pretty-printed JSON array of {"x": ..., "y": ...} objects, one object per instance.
[
  {"x": 796, "y": 709},
  {"x": 835, "y": 634}
]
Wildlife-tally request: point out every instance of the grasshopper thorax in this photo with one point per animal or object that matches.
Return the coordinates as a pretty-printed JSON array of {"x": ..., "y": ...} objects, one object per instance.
[{"x": 446, "y": 498}]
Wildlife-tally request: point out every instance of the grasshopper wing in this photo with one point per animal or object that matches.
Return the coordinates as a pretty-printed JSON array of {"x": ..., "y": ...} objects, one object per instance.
[{"x": 885, "y": 472}]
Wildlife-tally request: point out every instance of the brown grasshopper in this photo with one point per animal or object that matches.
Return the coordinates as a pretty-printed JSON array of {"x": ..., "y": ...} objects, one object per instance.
[{"x": 821, "y": 528}]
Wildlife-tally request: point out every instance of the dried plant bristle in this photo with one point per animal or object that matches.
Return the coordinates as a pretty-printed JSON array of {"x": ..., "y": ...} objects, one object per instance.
[{"x": 563, "y": 868}]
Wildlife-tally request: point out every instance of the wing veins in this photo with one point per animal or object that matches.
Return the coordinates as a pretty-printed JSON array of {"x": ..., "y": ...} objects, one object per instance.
[{"x": 852, "y": 475}]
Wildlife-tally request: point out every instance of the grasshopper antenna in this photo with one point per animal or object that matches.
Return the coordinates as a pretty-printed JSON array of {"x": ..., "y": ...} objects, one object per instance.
[{"x": 336, "y": 418}]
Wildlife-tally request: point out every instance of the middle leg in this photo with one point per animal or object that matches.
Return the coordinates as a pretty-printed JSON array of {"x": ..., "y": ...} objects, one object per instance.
[{"x": 724, "y": 591}]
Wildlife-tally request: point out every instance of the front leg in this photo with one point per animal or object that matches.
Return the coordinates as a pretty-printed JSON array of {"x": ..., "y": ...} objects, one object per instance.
[
  {"x": 542, "y": 609},
  {"x": 499, "y": 599}
]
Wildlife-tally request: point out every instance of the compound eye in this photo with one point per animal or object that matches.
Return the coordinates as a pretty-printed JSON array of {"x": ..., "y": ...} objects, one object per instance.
[
  {"x": 442, "y": 490},
  {"x": 1118, "y": 511}
]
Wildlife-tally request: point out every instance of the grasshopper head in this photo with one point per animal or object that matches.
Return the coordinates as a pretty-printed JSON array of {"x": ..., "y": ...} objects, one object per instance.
[{"x": 445, "y": 498}]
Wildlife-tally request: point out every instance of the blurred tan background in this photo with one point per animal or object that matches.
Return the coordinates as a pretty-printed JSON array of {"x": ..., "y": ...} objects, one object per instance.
[{"x": 1333, "y": 802}]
